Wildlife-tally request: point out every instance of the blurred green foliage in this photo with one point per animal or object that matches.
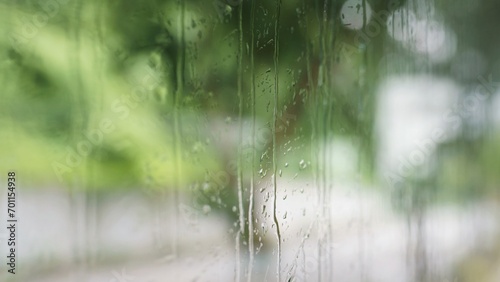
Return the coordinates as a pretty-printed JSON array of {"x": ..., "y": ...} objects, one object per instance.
[
  {"x": 130, "y": 93},
  {"x": 146, "y": 69}
]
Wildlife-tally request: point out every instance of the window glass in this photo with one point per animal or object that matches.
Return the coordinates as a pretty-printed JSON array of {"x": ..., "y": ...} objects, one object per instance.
[{"x": 249, "y": 140}]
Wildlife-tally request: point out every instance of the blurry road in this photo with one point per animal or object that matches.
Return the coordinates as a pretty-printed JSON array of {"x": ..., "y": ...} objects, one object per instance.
[{"x": 128, "y": 241}]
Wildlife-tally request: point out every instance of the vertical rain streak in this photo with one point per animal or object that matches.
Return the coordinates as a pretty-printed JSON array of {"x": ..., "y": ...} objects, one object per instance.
[
  {"x": 77, "y": 186},
  {"x": 322, "y": 122},
  {"x": 275, "y": 122},
  {"x": 359, "y": 131},
  {"x": 327, "y": 139},
  {"x": 253, "y": 144},
  {"x": 241, "y": 210},
  {"x": 177, "y": 123},
  {"x": 93, "y": 217},
  {"x": 313, "y": 98},
  {"x": 329, "y": 22}
]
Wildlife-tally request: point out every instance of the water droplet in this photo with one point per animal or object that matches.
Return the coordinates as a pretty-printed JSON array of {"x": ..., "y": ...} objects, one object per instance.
[
  {"x": 234, "y": 209},
  {"x": 302, "y": 164},
  {"x": 284, "y": 197},
  {"x": 280, "y": 172},
  {"x": 284, "y": 216},
  {"x": 286, "y": 164}
]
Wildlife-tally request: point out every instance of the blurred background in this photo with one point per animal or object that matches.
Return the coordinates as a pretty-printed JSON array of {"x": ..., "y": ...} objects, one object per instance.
[{"x": 241, "y": 140}]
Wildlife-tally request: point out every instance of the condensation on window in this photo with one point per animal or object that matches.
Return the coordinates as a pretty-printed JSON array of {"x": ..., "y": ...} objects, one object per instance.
[{"x": 242, "y": 140}]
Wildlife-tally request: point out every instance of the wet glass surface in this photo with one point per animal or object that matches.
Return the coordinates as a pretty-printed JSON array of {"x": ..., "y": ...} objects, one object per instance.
[{"x": 240, "y": 140}]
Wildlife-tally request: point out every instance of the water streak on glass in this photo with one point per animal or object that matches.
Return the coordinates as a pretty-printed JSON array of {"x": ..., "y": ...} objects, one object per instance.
[{"x": 236, "y": 140}]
